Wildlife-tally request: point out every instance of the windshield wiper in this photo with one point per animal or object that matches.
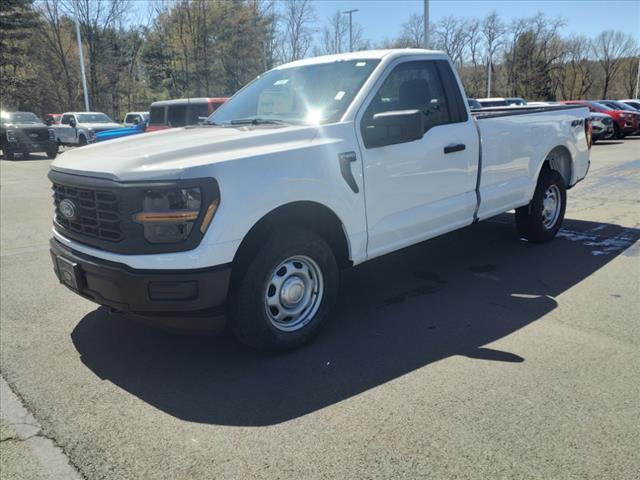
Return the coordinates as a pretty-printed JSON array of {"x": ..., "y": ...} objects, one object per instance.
[{"x": 257, "y": 121}]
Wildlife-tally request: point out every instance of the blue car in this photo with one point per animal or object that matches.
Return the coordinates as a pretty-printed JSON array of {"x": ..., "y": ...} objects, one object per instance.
[{"x": 120, "y": 132}]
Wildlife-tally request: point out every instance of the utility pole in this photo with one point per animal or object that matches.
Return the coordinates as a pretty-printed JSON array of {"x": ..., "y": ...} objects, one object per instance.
[
  {"x": 425, "y": 18},
  {"x": 84, "y": 77},
  {"x": 350, "y": 13},
  {"x": 489, "y": 77},
  {"x": 637, "y": 79}
]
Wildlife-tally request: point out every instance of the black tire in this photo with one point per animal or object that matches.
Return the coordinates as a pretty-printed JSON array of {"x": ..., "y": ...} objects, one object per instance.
[
  {"x": 250, "y": 321},
  {"x": 52, "y": 153},
  {"x": 617, "y": 133},
  {"x": 530, "y": 220},
  {"x": 82, "y": 140},
  {"x": 8, "y": 153}
]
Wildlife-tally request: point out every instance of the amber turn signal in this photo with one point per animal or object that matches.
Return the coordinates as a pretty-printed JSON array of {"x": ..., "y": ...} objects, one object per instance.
[
  {"x": 208, "y": 216},
  {"x": 184, "y": 216}
]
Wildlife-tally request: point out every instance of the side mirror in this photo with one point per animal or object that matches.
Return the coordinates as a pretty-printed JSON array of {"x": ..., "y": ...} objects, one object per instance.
[
  {"x": 72, "y": 123},
  {"x": 47, "y": 121},
  {"x": 136, "y": 121},
  {"x": 390, "y": 128}
]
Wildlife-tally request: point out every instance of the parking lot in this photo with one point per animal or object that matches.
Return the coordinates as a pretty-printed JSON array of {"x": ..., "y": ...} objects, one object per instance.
[{"x": 473, "y": 355}]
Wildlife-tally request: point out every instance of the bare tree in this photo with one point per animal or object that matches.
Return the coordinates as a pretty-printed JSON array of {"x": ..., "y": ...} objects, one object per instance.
[
  {"x": 335, "y": 35},
  {"x": 412, "y": 32},
  {"x": 610, "y": 49},
  {"x": 577, "y": 78},
  {"x": 450, "y": 35},
  {"x": 493, "y": 31},
  {"x": 296, "y": 34}
]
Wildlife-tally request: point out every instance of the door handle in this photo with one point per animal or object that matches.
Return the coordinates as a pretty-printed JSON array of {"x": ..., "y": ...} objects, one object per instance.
[
  {"x": 346, "y": 158},
  {"x": 454, "y": 148}
]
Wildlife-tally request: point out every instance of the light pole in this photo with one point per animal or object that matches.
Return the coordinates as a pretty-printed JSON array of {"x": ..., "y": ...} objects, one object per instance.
[
  {"x": 489, "y": 76},
  {"x": 84, "y": 77},
  {"x": 350, "y": 13},
  {"x": 637, "y": 78},
  {"x": 425, "y": 19}
]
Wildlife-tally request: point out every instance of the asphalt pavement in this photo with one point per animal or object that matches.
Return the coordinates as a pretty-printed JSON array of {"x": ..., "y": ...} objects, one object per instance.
[{"x": 474, "y": 355}]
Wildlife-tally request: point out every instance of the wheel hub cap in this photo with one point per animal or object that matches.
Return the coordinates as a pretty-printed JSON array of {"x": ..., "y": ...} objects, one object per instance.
[
  {"x": 551, "y": 203},
  {"x": 293, "y": 293}
]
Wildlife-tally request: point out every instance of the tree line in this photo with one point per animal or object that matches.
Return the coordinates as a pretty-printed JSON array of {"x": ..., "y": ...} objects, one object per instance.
[{"x": 179, "y": 48}]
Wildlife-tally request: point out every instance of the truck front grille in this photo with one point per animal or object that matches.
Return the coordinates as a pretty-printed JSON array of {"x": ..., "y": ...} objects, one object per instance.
[{"x": 97, "y": 212}]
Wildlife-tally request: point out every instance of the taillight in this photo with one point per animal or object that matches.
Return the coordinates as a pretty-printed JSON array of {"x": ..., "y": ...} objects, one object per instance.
[{"x": 588, "y": 130}]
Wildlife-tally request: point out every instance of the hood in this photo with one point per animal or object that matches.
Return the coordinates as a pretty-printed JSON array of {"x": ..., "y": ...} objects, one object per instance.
[{"x": 169, "y": 154}]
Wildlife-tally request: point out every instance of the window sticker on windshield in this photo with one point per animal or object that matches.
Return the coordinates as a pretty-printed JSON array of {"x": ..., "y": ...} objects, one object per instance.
[
  {"x": 339, "y": 95},
  {"x": 282, "y": 81},
  {"x": 361, "y": 64}
]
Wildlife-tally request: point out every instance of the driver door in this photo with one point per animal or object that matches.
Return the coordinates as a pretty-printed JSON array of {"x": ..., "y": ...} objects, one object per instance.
[{"x": 419, "y": 189}]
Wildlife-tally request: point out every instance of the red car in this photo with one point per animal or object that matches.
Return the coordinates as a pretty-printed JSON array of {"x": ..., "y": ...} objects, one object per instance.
[
  {"x": 624, "y": 122},
  {"x": 52, "y": 118},
  {"x": 178, "y": 113}
]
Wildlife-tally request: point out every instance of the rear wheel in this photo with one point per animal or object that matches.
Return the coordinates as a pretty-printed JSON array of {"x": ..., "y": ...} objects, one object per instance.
[
  {"x": 542, "y": 218},
  {"x": 617, "y": 132},
  {"x": 286, "y": 292}
]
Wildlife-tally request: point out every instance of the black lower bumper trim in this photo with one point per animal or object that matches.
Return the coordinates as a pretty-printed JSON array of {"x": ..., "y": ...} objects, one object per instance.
[{"x": 143, "y": 292}]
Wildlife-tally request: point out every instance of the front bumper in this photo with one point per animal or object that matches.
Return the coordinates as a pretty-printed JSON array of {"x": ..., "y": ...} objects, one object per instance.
[
  {"x": 148, "y": 293},
  {"x": 28, "y": 147}
]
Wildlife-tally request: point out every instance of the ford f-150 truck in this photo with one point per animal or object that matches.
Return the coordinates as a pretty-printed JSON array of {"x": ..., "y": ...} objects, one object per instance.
[
  {"x": 315, "y": 166},
  {"x": 80, "y": 128}
]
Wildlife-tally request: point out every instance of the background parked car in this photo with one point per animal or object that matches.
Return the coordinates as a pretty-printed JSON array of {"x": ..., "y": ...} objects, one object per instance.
[
  {"x": 617, "y": 105},
  {"x": 601, "y": 127},
  {"x": 632, "y": 102},
  {"x": 52, "y": 118},
  {"x": 24, "y": 133},
  {"x": 474, "y": 104},
  {"x": 131, "y": 117},
  {"x": 80, "y": 128},
  {"x": 622, "y": 120},
  {"x": 178, "y": 113},
  {"x": 493, "y": 102},
  {"x": 136, "y": 129}
]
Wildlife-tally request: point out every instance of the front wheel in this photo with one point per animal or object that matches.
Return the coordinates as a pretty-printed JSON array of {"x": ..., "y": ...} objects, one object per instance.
[
  {"x": 8, "y": 152},
  {"x": 542, "y": 218},
  {"x": 52, "y": 153},
  {"x": 286, "y": 292},
  {"x": 82, "y": 141}
]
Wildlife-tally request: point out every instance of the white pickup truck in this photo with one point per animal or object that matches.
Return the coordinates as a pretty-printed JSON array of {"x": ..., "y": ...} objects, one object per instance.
[
  {"x": 80, "y": 128},
  {"x": 315, "y": 166}
]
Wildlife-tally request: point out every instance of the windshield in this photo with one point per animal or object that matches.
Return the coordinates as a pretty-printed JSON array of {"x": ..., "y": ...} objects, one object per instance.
[
  {"x": 310, "y": 94},
  {"x": 20, "y": 117},
  {"x": 601, "y": 106},
  {"x": 623, "y": 106},
  {"x": 93, "y": 118}
]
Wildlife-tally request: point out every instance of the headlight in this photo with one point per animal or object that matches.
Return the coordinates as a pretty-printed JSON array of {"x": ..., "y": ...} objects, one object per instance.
[
  {"x": 11, "y": 135},
  {"x": 92, "y": 134},
  {"x": 169, "y": 216}
]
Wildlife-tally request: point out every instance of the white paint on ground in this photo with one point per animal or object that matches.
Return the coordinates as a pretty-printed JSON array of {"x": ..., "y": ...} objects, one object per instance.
[
  {"x": 602, "y": 245},
  {"x": 51, "y": 457}
]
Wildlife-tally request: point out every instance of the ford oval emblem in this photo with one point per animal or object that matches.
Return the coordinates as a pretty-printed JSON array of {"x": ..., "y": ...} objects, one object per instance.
[
  {"x": 33, "y": 135},
  {"x": 68, "y": 209}
]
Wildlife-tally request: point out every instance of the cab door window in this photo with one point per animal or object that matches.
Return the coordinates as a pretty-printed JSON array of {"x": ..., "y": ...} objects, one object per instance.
[{"x": 413, "y": 86}]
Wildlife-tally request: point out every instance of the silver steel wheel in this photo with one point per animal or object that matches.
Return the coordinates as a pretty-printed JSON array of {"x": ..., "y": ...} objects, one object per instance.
[
  {"x": 551, "y": 205},
  {"x": 293, "y": 293}
]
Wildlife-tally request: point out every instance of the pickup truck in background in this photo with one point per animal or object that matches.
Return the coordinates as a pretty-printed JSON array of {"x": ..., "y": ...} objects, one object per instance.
[
  {"x": 315, "y": 166},
  {"x": 80, "y": 128},
  {"x": 181, "y": 112},
  {"x": 23, "y": 133}
]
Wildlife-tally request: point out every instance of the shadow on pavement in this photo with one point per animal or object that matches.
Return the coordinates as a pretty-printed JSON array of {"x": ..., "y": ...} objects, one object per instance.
[{"x": 448, "y": 296}]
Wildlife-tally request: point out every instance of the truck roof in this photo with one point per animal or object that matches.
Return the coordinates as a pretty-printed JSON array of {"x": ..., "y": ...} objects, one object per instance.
[
  {"x": 364, "y": 55},
  {"x": 76, "y": 113}
]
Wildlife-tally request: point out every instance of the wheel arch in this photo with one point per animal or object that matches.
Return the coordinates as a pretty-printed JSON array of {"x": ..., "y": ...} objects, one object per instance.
[
  {"x": 305, "y": 214},
  {"x": 559, "y": 158}
]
